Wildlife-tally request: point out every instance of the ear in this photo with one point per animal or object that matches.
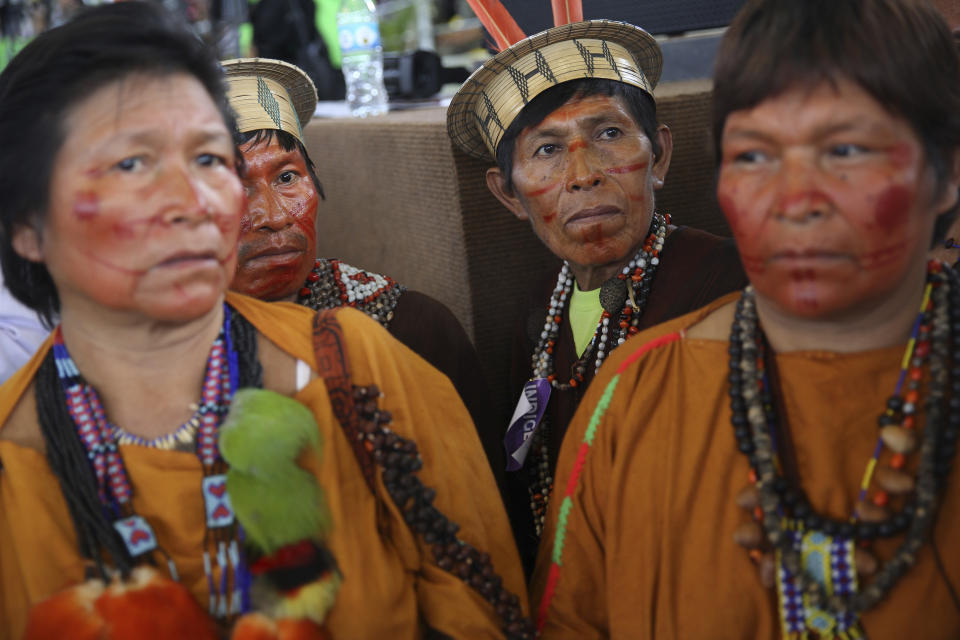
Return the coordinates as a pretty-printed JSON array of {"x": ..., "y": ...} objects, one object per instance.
[
  {"x": 660, "y": 167},
  {"x": 27, "y": 243},
  {"x": 951, "y": 191},
  {"x": 498, "y": 187}
]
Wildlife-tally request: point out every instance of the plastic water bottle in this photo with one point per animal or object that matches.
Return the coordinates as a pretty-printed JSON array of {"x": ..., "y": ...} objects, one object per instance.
[{"x": 362, "y": 57}]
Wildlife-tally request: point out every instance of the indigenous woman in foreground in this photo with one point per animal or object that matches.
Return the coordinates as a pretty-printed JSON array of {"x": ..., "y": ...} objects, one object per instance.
[
  {"x": 120, "y": 207},
  {"x": 570, "y": 118},
  {"x": 809, "y": 423}
]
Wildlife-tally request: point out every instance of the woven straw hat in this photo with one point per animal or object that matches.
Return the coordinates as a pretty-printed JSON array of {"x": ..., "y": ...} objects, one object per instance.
[
  {"x": 497, "y": 92},
  {"x": 269, "y": 94}
]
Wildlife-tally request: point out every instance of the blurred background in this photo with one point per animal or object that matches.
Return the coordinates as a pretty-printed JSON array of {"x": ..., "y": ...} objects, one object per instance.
[{"x": 450, "y": 39}]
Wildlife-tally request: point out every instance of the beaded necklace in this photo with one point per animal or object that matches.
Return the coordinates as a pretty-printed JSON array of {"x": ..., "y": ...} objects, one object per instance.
[
  {"x": 627, "y": 294},
  {"x": 100, "y": 439},
  {"x": 830, "y": 603},
  {"x": 333, "y": 284}
]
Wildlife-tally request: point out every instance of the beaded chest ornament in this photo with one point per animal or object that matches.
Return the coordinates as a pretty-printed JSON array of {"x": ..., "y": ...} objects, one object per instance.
[
  {"x": 625, "y": 296},
  {"x": 228, "y": 597},
  {"x": 815, "y": 568},
  {"x": 333, "y": 284}
]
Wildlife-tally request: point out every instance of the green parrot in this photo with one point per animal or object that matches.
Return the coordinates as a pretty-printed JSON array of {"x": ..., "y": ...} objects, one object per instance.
[
  {"x": 280, "y": 505},
  {"x": 276, "y": 501}
]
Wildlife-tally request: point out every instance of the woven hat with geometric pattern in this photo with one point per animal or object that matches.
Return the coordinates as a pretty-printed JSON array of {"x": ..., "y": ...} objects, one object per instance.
[
  {"x": 492, "y": 97},
  {"x": 269, "y": 94}
]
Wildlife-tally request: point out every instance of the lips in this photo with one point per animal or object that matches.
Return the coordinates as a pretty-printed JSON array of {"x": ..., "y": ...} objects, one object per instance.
[
  {"x": 185, "y": 258},
  {"x": 277, "y": 248},
  {"x": 593, "y": 215}
]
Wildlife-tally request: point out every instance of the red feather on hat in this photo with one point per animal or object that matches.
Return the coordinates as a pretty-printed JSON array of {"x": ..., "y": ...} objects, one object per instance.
[
  {"x": 498, "y": 22},
  {"x": 567, "y": 11}
]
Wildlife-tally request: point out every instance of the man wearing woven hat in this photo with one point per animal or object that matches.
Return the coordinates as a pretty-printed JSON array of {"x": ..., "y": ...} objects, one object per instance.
[
  {"x": 277, "y": 252},
  {"x": 570, "y": 118}
]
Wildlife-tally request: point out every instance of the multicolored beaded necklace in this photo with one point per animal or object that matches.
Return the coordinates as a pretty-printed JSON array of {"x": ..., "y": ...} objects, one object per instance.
[
  {"x": 333, "y": 284},
  {"x": 100, "y": 439},
  {"x": 626, "y": 293},
  {"x": 828, "y": 602}
]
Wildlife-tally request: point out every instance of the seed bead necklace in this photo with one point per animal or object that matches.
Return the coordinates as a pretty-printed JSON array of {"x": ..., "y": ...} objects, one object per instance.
[
  {"x": 332, "y": 283},
  {"x": 832, "y": 603},
  {"x": 625, "y": 293},
  {"x": 101, "y": 438}
]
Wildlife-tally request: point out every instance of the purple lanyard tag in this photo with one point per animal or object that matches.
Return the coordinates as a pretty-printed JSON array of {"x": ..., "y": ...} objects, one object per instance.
[{"x": 526, "y": 418}]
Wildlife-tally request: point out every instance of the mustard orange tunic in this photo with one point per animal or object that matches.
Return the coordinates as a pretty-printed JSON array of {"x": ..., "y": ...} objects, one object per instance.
[
  {"x": 649, "y": 551},
  {"x": 391, "y": 588}
]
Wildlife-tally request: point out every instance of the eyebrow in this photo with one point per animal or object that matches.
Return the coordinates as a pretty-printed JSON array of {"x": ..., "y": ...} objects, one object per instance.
[
  {"x": 588, "y": 123},
  {"x": 823, "y": 131}
]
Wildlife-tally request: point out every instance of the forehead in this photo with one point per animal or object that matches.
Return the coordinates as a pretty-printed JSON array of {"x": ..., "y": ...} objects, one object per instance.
[
  {"x": 144, "y": 99},
  {"x": 580, "y": 109},
  {"x": 268, "y": 151},
  {"x": 819, "y": 107}
]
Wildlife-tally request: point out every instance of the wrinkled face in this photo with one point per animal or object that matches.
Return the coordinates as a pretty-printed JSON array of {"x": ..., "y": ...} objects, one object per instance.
[
  {"x": 585, "y": 178},
  {"x": 278, "y": 237},
  {"x": 830, "y": 199},
  {"x": 145, "y": 202}
]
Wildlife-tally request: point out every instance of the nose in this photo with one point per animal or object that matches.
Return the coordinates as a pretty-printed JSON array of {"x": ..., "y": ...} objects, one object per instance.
[
  {"x": 264, "y": 210},
  {"x": 188, "y": 198},
  {"x": 583, "y": 170},
  {"x": 799, "y": 199}
]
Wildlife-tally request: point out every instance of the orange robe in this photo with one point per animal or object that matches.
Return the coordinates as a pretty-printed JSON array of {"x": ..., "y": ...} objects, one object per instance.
[
  {"x": 649, "y": 551},
  {"x": 391, "y": 589}
]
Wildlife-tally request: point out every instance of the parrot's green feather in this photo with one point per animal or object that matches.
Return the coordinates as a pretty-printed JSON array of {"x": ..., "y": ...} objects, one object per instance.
[{"x": 276, "y": 501}]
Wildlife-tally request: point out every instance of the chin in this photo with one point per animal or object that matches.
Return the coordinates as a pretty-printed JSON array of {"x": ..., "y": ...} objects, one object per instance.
[{"x": 184, "y": 304}]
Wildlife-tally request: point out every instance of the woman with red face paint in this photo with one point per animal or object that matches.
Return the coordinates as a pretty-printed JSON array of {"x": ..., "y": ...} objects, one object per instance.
[
  {"x": 120, "y": 207},
  {"x": 580, "y": 156},
  {"x": 781, "y": 462}
]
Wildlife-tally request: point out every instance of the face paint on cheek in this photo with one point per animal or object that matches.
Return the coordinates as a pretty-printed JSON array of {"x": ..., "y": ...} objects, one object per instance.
[
  {"x": 901, "y": 154},
  {"x": 883, "y": 256},
  {"x": 86, "y": 206},
  {"x": 577, "y": 145},
  {"x": 540, "y": 192},
  {"x": 893, "y": 207},
  {"x": 550, "y": 217},
  {"x": 111, "y": 265},
  {"x": 630, "y": 168}
]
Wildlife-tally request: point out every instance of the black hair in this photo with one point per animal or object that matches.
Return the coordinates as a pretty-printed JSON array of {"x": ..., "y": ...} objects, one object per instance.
[
  {"x": 641, "y": 105},
  {"x": 46, "y": 80},
  {"x": 901, "y": 52},
  {"x": 287, "y": 142}
]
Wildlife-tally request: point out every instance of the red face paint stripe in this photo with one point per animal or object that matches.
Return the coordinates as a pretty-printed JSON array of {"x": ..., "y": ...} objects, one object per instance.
[
  {"x": 576, "y": 145},
  {"x": 540, "y": 192},
  {"x": 630, "y": 168}
]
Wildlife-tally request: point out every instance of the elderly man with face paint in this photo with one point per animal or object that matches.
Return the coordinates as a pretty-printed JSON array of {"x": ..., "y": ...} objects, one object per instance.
[
  {"x": 781, "y": 463},
  {"x": 570, "y": 117},
  {"x": 277, "y": 259}
]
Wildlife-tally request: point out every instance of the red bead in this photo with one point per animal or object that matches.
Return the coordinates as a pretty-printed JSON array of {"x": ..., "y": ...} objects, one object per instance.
[
  {"x": 909, "y": 422},
  {"x": 573, "y": 382},
  {"x": 313, "y": 276},
  {"x": 880, "y": 498},
  {"x": 934, "y": 266},
  {"x": 916, "y": 373},
  {"x": 922, "y": 350},
  {"x": 898, "y": 461},
  {"x": 667, "y": 218},
  {"x": 752, "y": 476},
  {"x": 304, "y": 292},
  {"x": 317, "y": 263},
  {"x": 912, "y": 396}
]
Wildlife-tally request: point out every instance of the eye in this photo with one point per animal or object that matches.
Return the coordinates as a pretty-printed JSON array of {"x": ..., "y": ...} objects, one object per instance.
[
  {"x": 211, "y": 160},
  {"x": 752, "y": 156},
  {"x": 287, "y": 177},
  {"x": 546, "y": 150},
  {"x": 846, "y": 150},
  {"x": 610, "y": 133},
  {"x": 133, "y": 163}
]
